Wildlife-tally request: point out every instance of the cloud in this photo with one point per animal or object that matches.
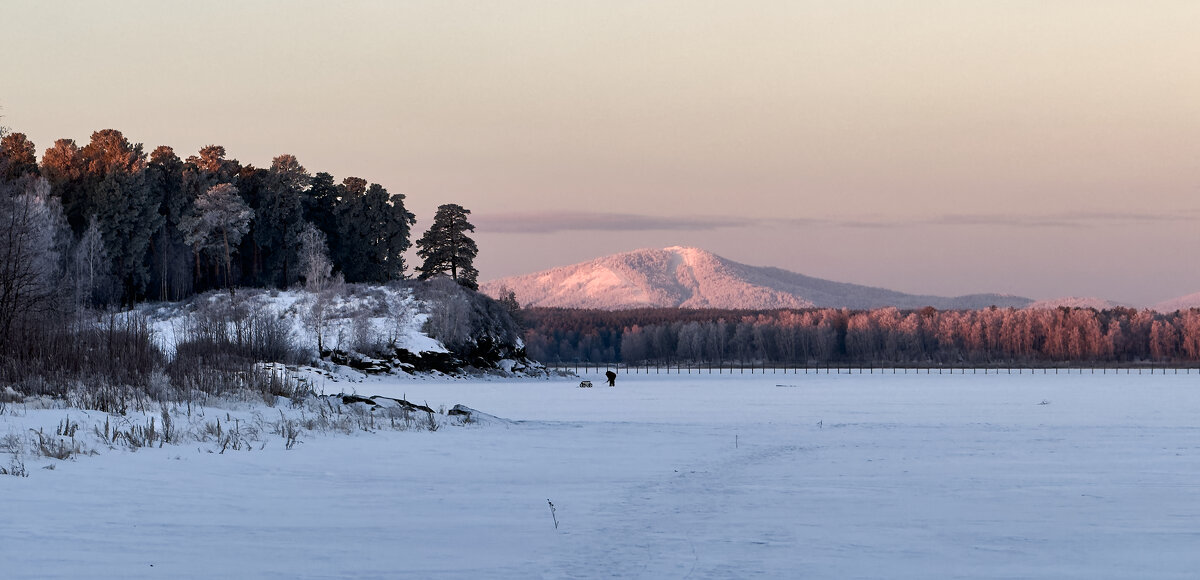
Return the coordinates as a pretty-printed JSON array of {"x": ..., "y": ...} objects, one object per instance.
[
  {"x": 566, "y": 221},
  {"x": 1073, "y": 219},
  {"x": 553, "y": 222}
]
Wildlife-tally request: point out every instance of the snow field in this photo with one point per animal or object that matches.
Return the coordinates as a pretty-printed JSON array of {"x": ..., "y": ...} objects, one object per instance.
[{"x": 667, "y": 476}]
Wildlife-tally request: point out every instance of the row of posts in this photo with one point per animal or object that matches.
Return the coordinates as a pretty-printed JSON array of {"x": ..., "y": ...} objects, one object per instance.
[{"x": 588, "y": 368}]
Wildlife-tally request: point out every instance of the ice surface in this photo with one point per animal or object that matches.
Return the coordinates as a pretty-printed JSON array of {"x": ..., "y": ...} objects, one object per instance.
[{"x": 700, "y": 476}]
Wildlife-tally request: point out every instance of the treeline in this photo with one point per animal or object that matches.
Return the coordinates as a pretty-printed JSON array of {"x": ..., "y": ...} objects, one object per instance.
[
  {"x": 876, "y": 337},
  {"x": 131, "y": 226},
  {"x": 86, "y": 229}
]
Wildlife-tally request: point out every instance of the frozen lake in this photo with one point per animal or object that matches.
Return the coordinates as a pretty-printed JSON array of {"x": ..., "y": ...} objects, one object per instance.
[{"x": 664, "y": 476}]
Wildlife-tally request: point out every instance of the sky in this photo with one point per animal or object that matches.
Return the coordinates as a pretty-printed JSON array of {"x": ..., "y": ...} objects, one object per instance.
[{"x": 1039, "y": 148}]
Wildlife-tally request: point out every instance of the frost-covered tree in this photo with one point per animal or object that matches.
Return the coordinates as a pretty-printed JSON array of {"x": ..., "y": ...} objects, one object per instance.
[
  {"x": 31, "y": 230},
  {"x": 217, "y": 222},
  {"x": 507, "y": 297},
  {"x": 208, "y": 168},
  {"x": 313, "y": 259},
  {"x": 447, "y": 250},
  {"x": 90, "y": 268}
]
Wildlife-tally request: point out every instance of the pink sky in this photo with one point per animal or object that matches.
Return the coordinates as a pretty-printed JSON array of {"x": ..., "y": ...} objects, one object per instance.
[{"x": 1036, "y": 148}]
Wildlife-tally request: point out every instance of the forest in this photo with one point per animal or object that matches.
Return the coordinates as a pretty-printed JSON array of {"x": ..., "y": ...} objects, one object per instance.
[
  {"x": 157, "y": 226},
  {"x": 885, "y": 336},
  {"x": 90, "y": 231}
]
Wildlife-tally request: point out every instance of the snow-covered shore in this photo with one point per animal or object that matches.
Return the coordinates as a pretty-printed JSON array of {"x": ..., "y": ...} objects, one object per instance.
[{"x": 702, "y": 476}]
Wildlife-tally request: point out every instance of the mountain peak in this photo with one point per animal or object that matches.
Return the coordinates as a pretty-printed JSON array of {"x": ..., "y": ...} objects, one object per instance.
[
  {"x": 690, "y": 277},
  {"x": 682, "y": 250}
]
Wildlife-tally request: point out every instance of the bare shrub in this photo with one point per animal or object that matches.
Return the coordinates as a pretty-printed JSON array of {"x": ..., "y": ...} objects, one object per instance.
[
  {"x": 167, "y": 426},
  {"x": 16, "y": 467},
  {"x": 289, "y": 430},
  {"x": 222, "y": 327},
  {"x": 60, "y": 354},
  {"x": 107, "y": 398},
  {"x": 318, "y": 314},
  {"x": 137, "y": 435},
  {"x": 55, "y": 448},
  {"x": 66, "y": 428}
]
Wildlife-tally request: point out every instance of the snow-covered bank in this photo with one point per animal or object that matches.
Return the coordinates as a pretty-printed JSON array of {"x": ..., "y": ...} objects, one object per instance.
[
  {"x": 343, "y": 321},
  {"x": 414, "y": 327},
  {"x": 850, "y": 476}
]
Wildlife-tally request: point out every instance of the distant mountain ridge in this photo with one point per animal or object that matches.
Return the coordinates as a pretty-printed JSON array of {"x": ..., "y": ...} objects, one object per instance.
[
  {"x": 1179, "y": 303},
  {"x": 684, "y": 277},
  {"x": 1075, "y": 302}
]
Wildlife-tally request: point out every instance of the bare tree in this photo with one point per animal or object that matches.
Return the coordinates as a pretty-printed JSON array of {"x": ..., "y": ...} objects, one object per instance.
[
  {"x": 449, "y": 317},
  {"x": 30, "y": 271},
  {"x": 325, "y": 288},
  {"x": 90, "y": 267},
  {"x": 313, "y": 257}
]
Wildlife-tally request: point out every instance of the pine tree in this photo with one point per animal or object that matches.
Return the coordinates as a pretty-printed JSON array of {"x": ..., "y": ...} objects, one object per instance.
[
  {"x": 320, "y": 203},
  {"x": 390, "y": 227},
  {"x": 279, "y": 219},
  {"x": 171, "y": 276},
  {"x": 446, "y": 248},
  {"x": 373, "y": 232},
  {"x": 118, "y": 196},
  {"x": 202, "y": 172},
  {"x": 20, "y": 156},
  {"x": 217, "y": 223},
  {"x": 350, "y": 213},
  {"x": 64, "y": 167}
]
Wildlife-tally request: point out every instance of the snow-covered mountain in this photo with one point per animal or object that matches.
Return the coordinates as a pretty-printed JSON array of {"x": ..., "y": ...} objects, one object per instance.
[
  {"x": 1075, "y": 302},
  {"x": 694, "y": 278},
  {"x": 1180, "y": 303}
]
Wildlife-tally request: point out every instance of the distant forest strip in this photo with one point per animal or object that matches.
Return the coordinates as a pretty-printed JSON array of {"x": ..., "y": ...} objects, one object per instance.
[{"x": 994, "y": 336}]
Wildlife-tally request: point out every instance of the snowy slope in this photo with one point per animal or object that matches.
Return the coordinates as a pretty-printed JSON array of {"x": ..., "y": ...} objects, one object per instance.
[
  {"x": 386, "y": 314},
  {"x": 694, "y": 278},
  {"x": 1074, "y": 302},
  {"x": 1180, "y": 303}
]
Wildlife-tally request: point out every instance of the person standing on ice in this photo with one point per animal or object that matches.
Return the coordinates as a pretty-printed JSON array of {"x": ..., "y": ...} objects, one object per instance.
[{"x": 612, "y": 378}]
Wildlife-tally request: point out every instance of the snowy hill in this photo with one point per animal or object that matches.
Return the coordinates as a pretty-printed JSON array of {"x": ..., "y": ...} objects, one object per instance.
[
  {"x": 419, "y": 327},
  {"x": 694, "y": 278},
  {"x": 1180, "y": 303},
  {"x": 1074, "y": 302}
]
